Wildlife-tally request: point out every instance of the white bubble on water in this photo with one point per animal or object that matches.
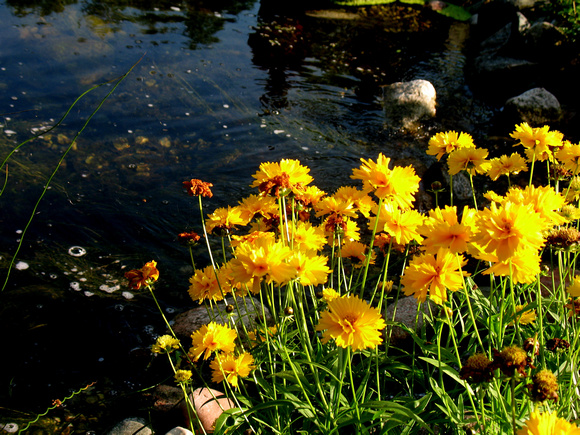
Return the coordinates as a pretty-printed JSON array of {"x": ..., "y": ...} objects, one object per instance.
[
  {"x": 127, "y": 295},
  {"x": 77, "y": 251},
  {"x": 21, "y": 265},
  {"x": 75, "y": 286}
]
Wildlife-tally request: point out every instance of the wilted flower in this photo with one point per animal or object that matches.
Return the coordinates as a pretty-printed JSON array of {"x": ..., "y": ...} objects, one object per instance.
[
  {"x": 511, "y": 360},
  {"x": 557, "y": 344},
  {"x": 477, "y": 369},
  {"x": 544, "y": 386},
  {"x": 145, "y": 276},
  {"x": 188, "y": 238},
  {"x": 197, "y": 187}
]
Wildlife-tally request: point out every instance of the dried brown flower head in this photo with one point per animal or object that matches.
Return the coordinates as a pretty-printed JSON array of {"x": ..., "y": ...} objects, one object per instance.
[
  {"x": 544, "y": 386},
  {"x": 477, "y": 369},
  {"x": 557, "y": 344},
  {"x": 511, "y": 360},
  {"x": 197, "y": 187}
]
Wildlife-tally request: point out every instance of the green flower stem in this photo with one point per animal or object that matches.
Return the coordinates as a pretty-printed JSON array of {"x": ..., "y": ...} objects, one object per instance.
[
  {"x": 369, "y": 255},
  {"x": 472, "y": 189},
  {"x": 451, "y": 190},
  {"x": 352, "y": 386}
]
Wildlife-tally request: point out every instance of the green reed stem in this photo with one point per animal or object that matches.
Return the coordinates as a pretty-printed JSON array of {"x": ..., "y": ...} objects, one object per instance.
[{"x": 61, "y": 160}]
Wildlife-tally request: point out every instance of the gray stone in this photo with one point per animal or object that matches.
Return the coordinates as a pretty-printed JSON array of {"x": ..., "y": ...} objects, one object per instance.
[
  {"x": 523, "y": 4},
  {"x": 536, "y": 106},
  {"x": 179, "y": 431},
  {"x": 130, "y": 426},
  {"x": 250, "y": 312},
  {"x": 405, "y": 311},
  {"x": 406, "y": 103},
  {"x": 543, "y": 41}
]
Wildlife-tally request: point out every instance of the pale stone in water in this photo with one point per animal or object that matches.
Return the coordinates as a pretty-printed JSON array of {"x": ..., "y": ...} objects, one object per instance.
[{"x": 179, "y": 431}]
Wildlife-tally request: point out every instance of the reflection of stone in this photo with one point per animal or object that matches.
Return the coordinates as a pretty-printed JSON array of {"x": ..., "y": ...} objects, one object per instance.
[
  {"x": 536, "y": 106},
  {"x": 405, "y": 103}
]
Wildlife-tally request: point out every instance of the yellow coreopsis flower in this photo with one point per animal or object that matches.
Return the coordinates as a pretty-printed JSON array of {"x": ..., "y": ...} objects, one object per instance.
[
  {"x": 547, "y": 424},
  {"x": 447, "y": 142},
  {"x": 505, "y": 229},
  {"x": 165, "y": 344},
  {"x": 360, "y": 199},
  {"x": 280, "y": 178},
  {"x": 310, "y": 269},
  {"x": 336, "y": 206},
  {"x": 402, "y": 225},
  {"x": 351, "y": 322},
  {"x": 470, "y": 159},
  {"x": 182, "y": 376},
  {"x": 329, "y": 294},
  {"x": 231, "y": 368},
  {"x": 204, "y": 285},
  {"x": 524, "y": 317},
  {"x": 540, "y": 142},
  {"x": 574, "y": 288},
  {"x": 506, "y": 165},
  {"x": 356, "y": 251},
  {"x": 309, "y": 196},
  {"x": 224, "y": 219},
  {"x": 523, "y": 266},
  {"x": 442, "y": 229},
  {"x": 432, "y": 275},
  {"x": 257, "y": 205},
  {"x": 569, "y": 156},
  {"x": 398, "y": 184},
  {"x": 210, "y": 338},
  {"x": 544, "y": 200},
  {"x": 306, "y": 237}
]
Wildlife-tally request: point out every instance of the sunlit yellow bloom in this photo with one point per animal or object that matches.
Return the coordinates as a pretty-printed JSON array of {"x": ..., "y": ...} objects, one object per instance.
[
  {"x": 363, "y": 202},
  {"x": 574, "y": 288},
  {"x": 447, "y": 142},
  {"x": 224, "y": 219},
  {"x": 356, "y": 251},
  {"x": 182, "y": 376},
  {"x": 569, "y": 156},
  {"x": 347, "y": 229},
  {"x": 398, "y": 184},
  {"x": 547, "y": 424},
  {"x": 544, "y": 201},
  {"x": 280, "y": 178},
  {"x": 351, "y": 322},
  {"x": 145, "y": 276},
  {"x": 505, "y": 229},
  {"x": 257, "y": 205},
  {"x": 491, "y": 196},
  {"x": 165, "y": 344},
  {"x": 329, "y": 294},
  {"x": 443, "y": 230},
  {"x": 573, "y": 190},
  {"x": 251, "y": 237},
  {"x": 310, "y": 196},
  {"x": 432, "y": 275},
  {"x": 231, "y": 368},
  {"x": 263, "y": 258},
  {"x": 337, "y": 206},
  {"x": 259, "y": 334},
  {"x": 471, "y": 159},
  {"x": 504, "y": 165},
  {"x": 310, "y": 269},
  {"x": 402, "y": 225},
  {"x": 524, "y": 267},
  {"x": 204, "y": 285},
  {"x": 540, "y": 142},
  {"x": 210, "y": 338},
  {"x": 525, "y": 317},
  {"x": 306, "y": 237}
]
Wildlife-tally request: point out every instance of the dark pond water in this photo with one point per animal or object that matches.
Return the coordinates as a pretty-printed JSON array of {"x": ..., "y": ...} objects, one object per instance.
[{"x": 217, "y": 88}]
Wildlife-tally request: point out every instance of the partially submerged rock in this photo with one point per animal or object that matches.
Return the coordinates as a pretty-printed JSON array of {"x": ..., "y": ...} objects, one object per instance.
[
  {"x": 406, "y": 103},
  {"x": 536, "y": 106}
]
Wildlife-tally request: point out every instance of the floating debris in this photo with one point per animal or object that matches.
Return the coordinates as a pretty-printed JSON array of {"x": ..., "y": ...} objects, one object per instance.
[
  {"x": 9, "y": 428},
  {"x": 77, "y": 251},
  {"x": 75, "y": 286}
]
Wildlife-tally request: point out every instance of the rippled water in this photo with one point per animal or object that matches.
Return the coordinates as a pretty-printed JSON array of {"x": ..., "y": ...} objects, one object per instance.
[{"x": 215, "y": 91}]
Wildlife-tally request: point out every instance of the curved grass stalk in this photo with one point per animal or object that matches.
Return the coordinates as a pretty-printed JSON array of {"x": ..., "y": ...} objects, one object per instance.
[{"x": 61, "y": 160}]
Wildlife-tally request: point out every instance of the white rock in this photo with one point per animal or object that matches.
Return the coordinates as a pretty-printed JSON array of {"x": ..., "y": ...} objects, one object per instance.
[{"x": 179, "y": 431}]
